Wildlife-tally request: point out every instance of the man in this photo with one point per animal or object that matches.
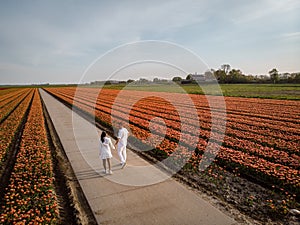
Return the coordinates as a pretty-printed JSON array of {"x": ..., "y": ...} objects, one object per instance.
[{"x": 121, "y": 144}]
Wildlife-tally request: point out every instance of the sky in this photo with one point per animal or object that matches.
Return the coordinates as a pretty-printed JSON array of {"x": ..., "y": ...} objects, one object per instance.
[{"x": 57, "y": 41}]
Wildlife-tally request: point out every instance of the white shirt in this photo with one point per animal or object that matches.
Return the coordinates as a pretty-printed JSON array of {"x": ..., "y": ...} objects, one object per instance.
[{"x": 122, "y": 136}]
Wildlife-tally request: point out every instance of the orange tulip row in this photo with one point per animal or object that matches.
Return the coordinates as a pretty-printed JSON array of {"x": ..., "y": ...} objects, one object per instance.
[
  {"x": 275, "y": 128},
  {"x": 279, "y": 160},
  {"x": 10, "y": 95},
  {"x": 11, "y": 125},
  {"x": 4, "y": 92},
  {"x": 10, "y": 104},
  {"x": 283, "y": 144},
  {"x": 30, "y": 197},
  {"x": 250, "y": 109}
]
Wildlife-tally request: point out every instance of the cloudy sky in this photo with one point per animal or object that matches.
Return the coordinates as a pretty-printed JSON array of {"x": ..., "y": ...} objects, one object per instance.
[{"x": 56, "y": 41}]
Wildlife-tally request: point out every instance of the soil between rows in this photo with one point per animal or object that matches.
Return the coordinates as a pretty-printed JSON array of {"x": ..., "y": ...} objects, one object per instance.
[{"x": 74, "y": 208}]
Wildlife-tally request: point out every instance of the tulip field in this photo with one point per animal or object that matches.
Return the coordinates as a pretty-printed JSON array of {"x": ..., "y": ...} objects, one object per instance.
[
  {"x": 261, "y": 140},
  {"x": 29, "y": 197},
  {"x": 262, "y": 137}
]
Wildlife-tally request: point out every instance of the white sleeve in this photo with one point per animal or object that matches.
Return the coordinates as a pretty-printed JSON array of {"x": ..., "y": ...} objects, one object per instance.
[{"x": 111, "y": 144}]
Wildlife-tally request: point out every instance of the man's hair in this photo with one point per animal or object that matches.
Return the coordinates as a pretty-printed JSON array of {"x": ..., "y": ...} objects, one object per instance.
[{"x": 121, "y": 123}]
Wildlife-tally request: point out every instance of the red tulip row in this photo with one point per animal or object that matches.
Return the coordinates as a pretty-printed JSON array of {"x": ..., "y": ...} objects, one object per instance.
[
  {"x": 249, "y": 123},
  {"x": 291, "y": 147},
  {"x": 281, "y": 130},
  {"x": 277, "y": 139},
  {"x": 248, "y": 108},
  {"x": 140, "y": 129},
  {"x": 234, "y": 116},
  {"x": 259, "y": 165},
  {"x": 279, "y": 144},
  {"x": 252, "y": 163},
  {"x": 277, "y": 123},
  {"x": 244, "y": 145},
  {"x": 10, "y": 126},
  {"x": 252, "y": 147},
  {"x": 30, "y": 196},
  {"x": 273, "y": 135},
  {"x": 265, "y": 107},
  {"x": 270, "y": 110}
]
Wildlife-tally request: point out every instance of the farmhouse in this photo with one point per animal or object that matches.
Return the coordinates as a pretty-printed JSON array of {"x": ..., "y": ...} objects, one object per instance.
[{"x": 198, "y": 77}]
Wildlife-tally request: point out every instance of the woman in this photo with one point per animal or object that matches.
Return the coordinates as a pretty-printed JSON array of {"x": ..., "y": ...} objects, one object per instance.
[{"x": 105, "y": 152}]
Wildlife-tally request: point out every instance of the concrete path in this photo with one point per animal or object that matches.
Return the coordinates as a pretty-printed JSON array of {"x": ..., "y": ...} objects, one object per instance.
[{"x": 131, "y": 195}]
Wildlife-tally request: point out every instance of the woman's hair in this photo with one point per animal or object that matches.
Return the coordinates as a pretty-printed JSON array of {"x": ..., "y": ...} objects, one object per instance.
[{"x": 103, "y": 135}]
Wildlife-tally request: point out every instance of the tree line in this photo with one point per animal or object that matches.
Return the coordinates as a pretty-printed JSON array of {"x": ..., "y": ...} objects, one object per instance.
[{"x": 226, "y": 75}]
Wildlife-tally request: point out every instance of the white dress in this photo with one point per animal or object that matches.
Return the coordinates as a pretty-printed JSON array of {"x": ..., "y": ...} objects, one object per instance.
[{"x": 105, "y": 148}]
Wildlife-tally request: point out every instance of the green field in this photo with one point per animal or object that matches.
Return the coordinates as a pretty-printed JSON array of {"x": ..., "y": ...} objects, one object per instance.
[{"x": 274, "y": 91}]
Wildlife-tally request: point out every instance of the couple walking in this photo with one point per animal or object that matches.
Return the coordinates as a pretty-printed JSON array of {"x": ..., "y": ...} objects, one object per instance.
[{"x": 106, "y": 146}]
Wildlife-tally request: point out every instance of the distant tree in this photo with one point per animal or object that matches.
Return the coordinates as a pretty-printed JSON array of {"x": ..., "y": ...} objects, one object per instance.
[
  {"x": 220, "y": 76},
  {"x": 177, "y": 79},
  {"x": 189, "y": 77},
  {"x": 285, "y": 76},
  {"x": 236, "y": 76},
  {"x": 143, "y": 81},
  {"x": 155, "y": 80},
  {"x": 274, "y": 75},
  {"x": 251, "y": 78},
  {"x": 129, "y": 81},
  {"x": 296, "y": 78},
  {"x": 225, "y": 68}
]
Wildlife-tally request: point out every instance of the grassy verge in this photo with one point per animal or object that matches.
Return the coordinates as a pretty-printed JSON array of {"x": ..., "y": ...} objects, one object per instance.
[{"x": 273, "y": 91}]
